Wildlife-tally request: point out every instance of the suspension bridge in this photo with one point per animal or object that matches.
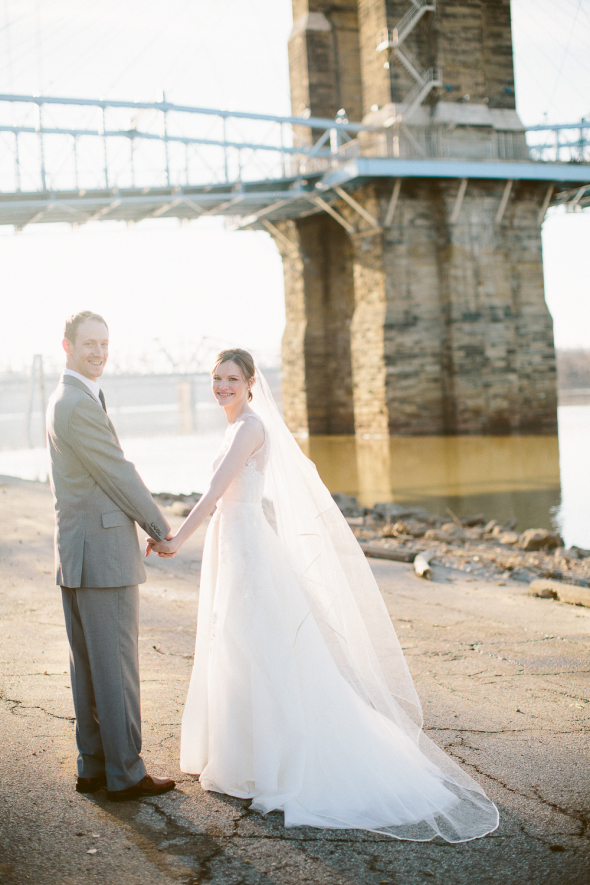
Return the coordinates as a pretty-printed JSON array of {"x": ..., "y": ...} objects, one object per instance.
[
  {"x": 404, "y": 193},
  {"x": 76, "y": 160}
]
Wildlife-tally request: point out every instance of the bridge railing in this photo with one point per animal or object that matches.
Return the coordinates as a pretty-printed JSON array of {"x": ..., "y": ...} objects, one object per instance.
[
  {"x": 540, "y": 144},
  {"x": 52, "y": 144}
]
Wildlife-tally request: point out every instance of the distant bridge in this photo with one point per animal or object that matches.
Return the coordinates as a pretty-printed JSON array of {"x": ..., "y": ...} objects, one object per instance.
[{"x": 76, "y": 160}]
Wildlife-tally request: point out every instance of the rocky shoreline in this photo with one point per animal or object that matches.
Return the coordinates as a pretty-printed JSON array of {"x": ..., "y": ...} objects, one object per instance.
[{"x": 473, "y": 544}]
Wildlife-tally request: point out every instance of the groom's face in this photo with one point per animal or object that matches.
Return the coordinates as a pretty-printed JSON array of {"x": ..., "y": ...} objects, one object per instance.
[{"x": 88, "y": 354}]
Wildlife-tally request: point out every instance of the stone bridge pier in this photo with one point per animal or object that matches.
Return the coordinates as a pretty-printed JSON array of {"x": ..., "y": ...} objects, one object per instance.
[{"x": 420, "y": 308}]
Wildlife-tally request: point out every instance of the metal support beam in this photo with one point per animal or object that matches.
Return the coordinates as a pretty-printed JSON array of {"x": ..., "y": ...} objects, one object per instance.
[
  {"x": 105, "y": 210},
  {"x": 193, "y": 205},
  {"x": 504, "y": 200},
  {"x": 356, "y": 206},
  {"x": 579, "y": 196},
  {"x": 223, "y": 206},
  {"x": 250, "y": 219},
  {"x": 157, "y": 212},
  {"x": 16, "y": 161},
  {"x": 105, "y": 150},
  {"x": 458, "y": 201},
  {"x": 308, "y": 122},
  {"x": 36, "y": 217},
  {"x": 335, "y": 215},
  {"x": 166, "y": 152},
  {"x": 546, "y": 201},
  {"x": 275, "y": 232},
  {"x": 41, "y": 150},
  {"x": 392, "y": 203}
]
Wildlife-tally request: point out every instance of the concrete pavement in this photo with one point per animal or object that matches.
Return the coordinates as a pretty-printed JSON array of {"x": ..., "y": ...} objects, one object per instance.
[{"x": 503, "y": 678}]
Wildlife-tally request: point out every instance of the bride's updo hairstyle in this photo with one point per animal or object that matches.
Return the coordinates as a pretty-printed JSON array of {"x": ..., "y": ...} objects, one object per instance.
[{"x": 243, "y": 359}]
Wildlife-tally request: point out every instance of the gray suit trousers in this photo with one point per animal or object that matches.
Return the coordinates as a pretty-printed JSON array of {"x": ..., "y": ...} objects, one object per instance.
[{"x": 102, "y": 626}]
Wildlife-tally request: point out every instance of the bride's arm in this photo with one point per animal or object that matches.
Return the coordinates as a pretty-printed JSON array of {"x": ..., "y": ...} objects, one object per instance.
[{"x": 248, "y": 437}]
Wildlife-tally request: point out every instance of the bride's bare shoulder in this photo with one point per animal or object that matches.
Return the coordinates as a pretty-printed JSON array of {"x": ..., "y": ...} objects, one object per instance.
[{"x": 250, "y": 427}]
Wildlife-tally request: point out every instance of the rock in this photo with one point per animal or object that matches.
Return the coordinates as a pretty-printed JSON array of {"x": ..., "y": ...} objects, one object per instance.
[
  {"x": 508, "y": 538},
  {"x": 571, "y": 593},
  {"x": 569, "y": 555},
  {"x": 423, "y": 514},
  {"x": 181, "y": 508},
  {"x": 389, "y": 511},
  {"x": 414, "y": 530},
  {"x": 522, "y": 575},
  {"x": 439, "y": 535},
  {"x": 348, "y": 505},
  {"x": 573, "y": 553},
  {"x": 471, "y": 521},
  {"x": 167, "y": 498},
  {"x": 450, "y": 528},
  {"x": 539, "y": 539},
  {"x": 490, "y": 526},
  {"x": 475, "y": 534},
  {"x": 398, "y": 528}
]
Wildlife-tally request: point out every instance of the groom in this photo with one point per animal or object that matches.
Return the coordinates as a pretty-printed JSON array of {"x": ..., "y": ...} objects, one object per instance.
[{"x": 99, "y": 497}]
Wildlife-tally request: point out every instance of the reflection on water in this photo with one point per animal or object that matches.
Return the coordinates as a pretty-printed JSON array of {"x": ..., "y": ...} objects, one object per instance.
[{"x": 502, "y": 477}]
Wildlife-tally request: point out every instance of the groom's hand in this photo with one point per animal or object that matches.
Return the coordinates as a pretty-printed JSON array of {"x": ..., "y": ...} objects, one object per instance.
[
  {"x": 162, "y": 548},
  {"x": 168, "y": 537}
]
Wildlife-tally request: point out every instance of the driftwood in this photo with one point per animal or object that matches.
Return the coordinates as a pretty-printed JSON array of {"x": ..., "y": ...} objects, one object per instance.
[
  {"x": 422, "y": 566},
  {"x": 377, "y": 552}
]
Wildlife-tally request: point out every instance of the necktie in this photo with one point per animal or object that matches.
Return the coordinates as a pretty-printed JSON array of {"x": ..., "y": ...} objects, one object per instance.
[{"x": 101, "y": 398}]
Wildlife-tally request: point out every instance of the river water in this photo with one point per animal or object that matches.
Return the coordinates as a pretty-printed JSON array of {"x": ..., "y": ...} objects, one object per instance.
[{"x": 541, "y": 481}]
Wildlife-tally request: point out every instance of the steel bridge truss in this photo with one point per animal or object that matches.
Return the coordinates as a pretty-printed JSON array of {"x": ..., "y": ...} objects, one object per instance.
[{"x": 77, "y": 160}]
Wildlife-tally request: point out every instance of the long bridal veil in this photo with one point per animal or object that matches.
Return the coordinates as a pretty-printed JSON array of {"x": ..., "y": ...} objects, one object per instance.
[{"x": 347, "y": 605}]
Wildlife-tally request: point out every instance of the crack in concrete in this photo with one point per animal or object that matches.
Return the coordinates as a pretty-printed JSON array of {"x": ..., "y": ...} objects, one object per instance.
[
  {"x": 172, "y": 841},
  {"x": 577, "y": 816},
  {"x": 174, "y": 654},
  {"x": 20, "y": 705}
]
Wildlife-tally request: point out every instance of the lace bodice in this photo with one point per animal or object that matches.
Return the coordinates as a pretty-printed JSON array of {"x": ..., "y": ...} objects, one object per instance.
[{"x": 248, "y": 485}]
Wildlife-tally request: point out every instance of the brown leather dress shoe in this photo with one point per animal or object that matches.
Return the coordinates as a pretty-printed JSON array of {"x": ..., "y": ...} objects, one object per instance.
[
  {"x": 147, "y": 786},
  {"x": 90, "y": 784}
]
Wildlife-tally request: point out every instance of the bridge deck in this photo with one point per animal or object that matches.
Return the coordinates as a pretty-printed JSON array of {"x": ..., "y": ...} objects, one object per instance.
[{"x": 291, "y": 197}]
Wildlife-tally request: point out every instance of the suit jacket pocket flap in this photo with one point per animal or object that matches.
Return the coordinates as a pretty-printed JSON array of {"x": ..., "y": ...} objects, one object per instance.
[{"x": 115, "y": 518}]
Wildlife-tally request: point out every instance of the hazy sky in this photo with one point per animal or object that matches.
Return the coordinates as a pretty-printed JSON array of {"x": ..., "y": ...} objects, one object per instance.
[{"x": 161, "y": 284}]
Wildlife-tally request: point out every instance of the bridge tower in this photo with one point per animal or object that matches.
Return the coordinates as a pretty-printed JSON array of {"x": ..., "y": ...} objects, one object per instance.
[{"x": 432, "y": 320}]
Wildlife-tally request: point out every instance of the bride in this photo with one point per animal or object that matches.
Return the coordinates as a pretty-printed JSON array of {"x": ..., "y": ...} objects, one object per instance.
[{"x": 300, "y": 697}]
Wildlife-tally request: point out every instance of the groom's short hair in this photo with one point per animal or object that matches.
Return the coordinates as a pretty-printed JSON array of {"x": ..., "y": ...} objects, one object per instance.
[{"x": 74, "y": 321}]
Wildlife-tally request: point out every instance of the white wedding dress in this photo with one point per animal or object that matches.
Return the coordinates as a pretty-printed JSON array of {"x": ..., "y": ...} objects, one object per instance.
[{"x": 292, "y": 711}]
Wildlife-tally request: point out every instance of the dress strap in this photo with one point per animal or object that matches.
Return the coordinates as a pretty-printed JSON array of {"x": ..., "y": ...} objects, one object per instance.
[{"x": 260, "y": 448}]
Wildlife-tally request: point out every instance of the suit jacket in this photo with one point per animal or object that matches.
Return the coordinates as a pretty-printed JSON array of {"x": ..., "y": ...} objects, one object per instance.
[{"x": 99, "y": 496}]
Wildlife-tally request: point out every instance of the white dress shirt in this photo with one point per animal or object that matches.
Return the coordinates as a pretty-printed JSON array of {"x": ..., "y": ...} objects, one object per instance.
[{"x": 92, "y": 386}]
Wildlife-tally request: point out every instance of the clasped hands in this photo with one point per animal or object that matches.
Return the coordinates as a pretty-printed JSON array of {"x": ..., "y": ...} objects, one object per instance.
[{"x": 165, "y": 549}]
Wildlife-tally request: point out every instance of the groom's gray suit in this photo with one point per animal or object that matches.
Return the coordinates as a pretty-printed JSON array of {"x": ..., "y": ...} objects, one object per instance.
[{"x": 99, "y": 496}]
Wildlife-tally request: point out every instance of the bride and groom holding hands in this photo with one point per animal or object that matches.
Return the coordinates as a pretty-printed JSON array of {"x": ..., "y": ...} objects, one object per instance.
[{"x": 300, "y": 698}]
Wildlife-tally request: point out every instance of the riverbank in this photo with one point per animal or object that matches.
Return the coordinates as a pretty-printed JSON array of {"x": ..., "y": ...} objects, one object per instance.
[
  {"x": 483, "y": 548},
  {"x": 503, "y": 679},
  {"x": 472, "y": 544}
]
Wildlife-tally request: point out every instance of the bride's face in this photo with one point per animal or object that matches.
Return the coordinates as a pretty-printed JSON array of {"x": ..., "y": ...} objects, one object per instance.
[{"x": 229, "y": 385}]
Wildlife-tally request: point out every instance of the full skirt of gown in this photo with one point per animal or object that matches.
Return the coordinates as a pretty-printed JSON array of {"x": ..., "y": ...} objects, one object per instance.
[{"x": 269, "y": 716}]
